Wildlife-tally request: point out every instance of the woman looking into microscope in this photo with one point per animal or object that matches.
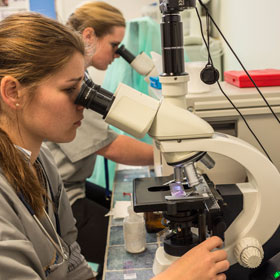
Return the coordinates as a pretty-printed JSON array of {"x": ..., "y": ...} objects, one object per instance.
[
  {"x": 37, "y": 228},
  {"x": 102, "y": 28}
]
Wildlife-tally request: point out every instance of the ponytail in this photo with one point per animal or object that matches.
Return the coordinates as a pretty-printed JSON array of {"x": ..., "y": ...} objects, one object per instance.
[{"x": 16, "y": 168}]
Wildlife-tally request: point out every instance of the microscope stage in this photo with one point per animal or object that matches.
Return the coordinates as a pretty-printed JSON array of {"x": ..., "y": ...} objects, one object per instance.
[{"x": 150, "y": 194}]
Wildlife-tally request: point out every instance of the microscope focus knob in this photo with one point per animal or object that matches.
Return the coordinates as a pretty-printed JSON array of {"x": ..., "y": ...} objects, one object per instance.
[{"x": 249, "y": 252}]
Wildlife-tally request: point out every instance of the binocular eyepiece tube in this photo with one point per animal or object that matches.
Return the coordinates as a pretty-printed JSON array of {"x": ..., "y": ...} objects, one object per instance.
[
  {"x": 94, "y": 97},
  {"x": 125, "y": 54}
]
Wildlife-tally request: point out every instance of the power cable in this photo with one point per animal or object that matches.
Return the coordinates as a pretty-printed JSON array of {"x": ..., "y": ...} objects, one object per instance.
[
  {"x": 226, "y": 96},
  {"x": 241, "y": 64}
]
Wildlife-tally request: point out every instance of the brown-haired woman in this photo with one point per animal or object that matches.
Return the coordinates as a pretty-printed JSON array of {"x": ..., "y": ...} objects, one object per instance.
[
  {"x": 41, "y": 69},
  {"x": 102, "y": 28}
]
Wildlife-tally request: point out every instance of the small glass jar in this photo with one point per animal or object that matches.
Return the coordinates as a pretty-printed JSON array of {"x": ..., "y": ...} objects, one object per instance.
[
  {"x": 134, "y": 232},
  {"x": 153, "y": 222}
]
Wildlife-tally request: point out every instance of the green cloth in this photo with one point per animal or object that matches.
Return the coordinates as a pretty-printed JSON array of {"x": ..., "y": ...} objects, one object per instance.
[
  {"x": 93, "y": 266},
  {"x": 142, "y": 35}
]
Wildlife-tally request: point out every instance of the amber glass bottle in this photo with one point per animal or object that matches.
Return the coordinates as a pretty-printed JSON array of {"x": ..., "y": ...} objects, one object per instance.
[{"x": 153, "y": 222}]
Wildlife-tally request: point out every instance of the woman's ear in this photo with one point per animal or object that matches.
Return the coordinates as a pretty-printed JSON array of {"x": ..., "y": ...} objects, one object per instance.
[
  {"x": 10, "y": 91},
  {"x": 88, "y": 35}
]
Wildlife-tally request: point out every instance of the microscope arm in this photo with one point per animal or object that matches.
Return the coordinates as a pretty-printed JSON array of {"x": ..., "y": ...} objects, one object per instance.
[{"x": 261, "y": 208}]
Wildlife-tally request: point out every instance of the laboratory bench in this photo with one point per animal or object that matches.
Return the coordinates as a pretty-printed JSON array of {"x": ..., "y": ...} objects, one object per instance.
[{"x": 119, "y": 264}]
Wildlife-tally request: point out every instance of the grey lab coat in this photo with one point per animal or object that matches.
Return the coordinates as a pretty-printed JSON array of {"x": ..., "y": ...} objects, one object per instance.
[
  {"x": 76, "y": 160},
  {"x": 25, "y": 251}
]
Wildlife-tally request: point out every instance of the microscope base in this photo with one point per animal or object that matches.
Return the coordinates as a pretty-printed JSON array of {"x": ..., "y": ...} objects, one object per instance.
[
  {"x": 269, "y": 267},
  {"x": 162, "y": 260}
]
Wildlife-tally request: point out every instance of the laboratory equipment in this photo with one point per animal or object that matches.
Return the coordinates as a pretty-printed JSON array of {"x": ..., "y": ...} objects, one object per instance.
[
  {"x": 270, "y": 271},
  {"x": 182, "y": 145},
  {"x": 141, "y": 63},
  {"x": 193, "y": 36},
  {"x": 246, "y": 215},
  {"x": 134, "y": 232},
  {"x": 262, "y": 78}
]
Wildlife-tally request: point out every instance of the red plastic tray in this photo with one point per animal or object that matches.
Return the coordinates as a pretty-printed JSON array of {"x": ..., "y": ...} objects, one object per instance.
[{"x": 262, "y": 78}]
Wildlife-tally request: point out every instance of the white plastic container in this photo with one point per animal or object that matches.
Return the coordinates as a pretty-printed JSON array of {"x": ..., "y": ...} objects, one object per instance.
[
  {"x": 134, "y": 232},
  {"x": 195, "y": 84}
]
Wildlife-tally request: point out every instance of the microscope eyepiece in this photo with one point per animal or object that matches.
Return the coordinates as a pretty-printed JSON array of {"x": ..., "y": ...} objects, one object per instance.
[
  {"x": 172, "y": 45},
  {"x": 94, "y": 97},
  {"x": 125, "y": 54}
]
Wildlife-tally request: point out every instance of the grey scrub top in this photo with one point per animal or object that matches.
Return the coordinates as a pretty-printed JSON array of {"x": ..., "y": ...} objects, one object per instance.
[
  {"x": 76, "y": 160},
  {"x": 25, "y": 250}
]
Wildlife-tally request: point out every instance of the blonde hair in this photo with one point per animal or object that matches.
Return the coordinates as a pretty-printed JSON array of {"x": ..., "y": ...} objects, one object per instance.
[
  {"x": 101, "y": 16},
  {"x": 32, "y": 47}
]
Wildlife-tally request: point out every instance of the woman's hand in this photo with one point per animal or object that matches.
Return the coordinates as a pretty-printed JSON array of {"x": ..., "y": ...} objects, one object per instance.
[{"x": 200, "y": 263}]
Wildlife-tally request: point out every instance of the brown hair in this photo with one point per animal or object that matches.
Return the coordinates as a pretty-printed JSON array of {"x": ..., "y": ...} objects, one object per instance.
[
  {"x": 33, "y": 47},
  {"x": 101, "y": 16}
]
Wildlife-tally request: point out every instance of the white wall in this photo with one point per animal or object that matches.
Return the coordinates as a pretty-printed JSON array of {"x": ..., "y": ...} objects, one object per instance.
[{"x": 252, "y": 29}]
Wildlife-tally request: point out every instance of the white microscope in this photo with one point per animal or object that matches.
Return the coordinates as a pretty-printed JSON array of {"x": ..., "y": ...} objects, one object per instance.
[{"x": 246, "y": 215}]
